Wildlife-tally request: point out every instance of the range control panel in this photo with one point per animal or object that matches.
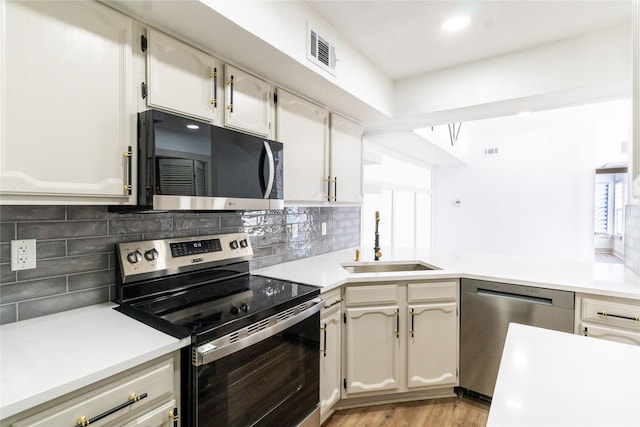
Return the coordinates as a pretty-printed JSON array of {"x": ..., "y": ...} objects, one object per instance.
[{"x": 154, "y": 258}]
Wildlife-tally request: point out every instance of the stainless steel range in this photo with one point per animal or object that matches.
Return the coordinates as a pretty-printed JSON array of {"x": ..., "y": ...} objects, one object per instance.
[{"x": 254, "y": 354}]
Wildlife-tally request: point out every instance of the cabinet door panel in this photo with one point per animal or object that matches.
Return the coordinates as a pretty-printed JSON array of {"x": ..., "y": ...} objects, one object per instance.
[
  {"x": 180, "y": 78},
  {"x": 432, "y": 347},
  {"x": 248, "y": 102},
  {"x": 610, "y": 334},
  {"x": 67, "y": 101},
  {"x": 162, "y": 416},
  {"x": 330, "y": 341},
  {"x": 346, "y": 159},
  {"x": 303, "y": 128},
  {"x": 372, "y": 349}
]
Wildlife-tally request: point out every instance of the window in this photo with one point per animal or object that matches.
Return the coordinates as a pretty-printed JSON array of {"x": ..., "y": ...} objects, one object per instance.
[
  {"x": 601, "y": 213},
  {"x": 401, "y": 192},
  {"x": 619, "y": 201}
]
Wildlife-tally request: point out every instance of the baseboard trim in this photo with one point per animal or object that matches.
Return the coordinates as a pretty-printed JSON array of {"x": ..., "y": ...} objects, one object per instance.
[{"x": 357, "y": 402}]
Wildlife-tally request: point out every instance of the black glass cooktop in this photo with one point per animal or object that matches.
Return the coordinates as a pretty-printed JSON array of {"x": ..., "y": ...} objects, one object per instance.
[{"x": 220, "y": 307}]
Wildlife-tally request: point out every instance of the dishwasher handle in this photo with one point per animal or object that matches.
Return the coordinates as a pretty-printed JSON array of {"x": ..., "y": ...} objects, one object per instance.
[{"x": 515, "y": 297}]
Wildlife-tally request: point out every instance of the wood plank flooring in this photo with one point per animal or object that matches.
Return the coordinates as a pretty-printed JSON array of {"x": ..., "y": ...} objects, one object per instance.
[{"x": 449, "y": 412}]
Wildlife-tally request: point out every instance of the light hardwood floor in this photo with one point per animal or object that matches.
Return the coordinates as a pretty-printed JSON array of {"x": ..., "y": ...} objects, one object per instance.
[{"x": 450, "y": 412}]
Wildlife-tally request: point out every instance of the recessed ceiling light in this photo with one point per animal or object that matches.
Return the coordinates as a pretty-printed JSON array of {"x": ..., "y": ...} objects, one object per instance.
[
  {"x": 456, "y": 23},
  {"x": 524, "y": 113},
  {"x": 193, "y": 126}
]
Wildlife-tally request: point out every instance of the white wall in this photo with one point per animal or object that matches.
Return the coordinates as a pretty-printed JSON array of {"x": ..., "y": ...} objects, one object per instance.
[
  {"x": 594, "y": 65},
  {"x": 535, "y": 198}
]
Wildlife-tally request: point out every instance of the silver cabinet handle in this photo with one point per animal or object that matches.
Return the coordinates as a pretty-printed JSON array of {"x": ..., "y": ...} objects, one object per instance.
[{"x": 272, "y": 170}]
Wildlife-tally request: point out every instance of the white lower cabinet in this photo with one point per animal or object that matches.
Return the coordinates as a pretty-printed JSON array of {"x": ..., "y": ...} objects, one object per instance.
[
  {"x": 147, "y": 396},
  {"x": 330, "y": 345},
  {"x": 612, "y": 319},
  {"x": 432, "y": 347},
  {"x": 400, "y": 337}
]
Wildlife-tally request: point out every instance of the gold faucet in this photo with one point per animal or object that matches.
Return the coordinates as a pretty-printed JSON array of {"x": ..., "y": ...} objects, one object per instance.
[{"x": 376, "y": 249}]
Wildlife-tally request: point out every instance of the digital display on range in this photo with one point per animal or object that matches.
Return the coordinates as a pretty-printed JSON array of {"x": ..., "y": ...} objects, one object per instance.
[{"x": 195, "y": 247}]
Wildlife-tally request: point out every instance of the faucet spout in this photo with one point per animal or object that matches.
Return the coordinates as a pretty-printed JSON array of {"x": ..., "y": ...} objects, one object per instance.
[{"x": 376, "y": 249}]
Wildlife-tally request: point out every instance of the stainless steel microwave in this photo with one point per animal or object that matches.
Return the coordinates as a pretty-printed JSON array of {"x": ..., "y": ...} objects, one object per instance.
[{"x": 184, "y": 164}]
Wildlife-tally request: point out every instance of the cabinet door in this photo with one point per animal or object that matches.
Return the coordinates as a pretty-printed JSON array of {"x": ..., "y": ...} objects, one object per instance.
[
  {"x": 68, "y": 107},
  {"x": 432, "y": 345},
  {"x": 162, "y": 416},
  {"x": 303, "y": 128},
  {"x": 346, "y": 160},
  {"x": 610, "y": 334},
  {"x": 248, "y": 102},
  {"x": 181, "y": 79},
  {"x": 372, "y": 349},
  {"x": 330, "y": 373}
]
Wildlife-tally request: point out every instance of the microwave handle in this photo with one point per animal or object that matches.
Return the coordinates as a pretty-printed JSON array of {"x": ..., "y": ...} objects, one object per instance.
[{"x": 272, "y": 168}]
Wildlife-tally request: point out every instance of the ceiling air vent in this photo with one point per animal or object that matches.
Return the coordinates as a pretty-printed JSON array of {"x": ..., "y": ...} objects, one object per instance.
[
  {"x": 490, "y": 151},
  {"x": 321, "y": 52}
]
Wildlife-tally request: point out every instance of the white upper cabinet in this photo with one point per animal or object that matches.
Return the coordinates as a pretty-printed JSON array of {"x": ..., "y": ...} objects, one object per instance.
[
  {"x": 182, "y": 79},
  {"x": 346, "y": 160},
  {"x": 68, "y": 106},
  {"x": 323, "y": 152},
  {"x": 303, "y": 128},
  {"x": 248, "y": 102}
]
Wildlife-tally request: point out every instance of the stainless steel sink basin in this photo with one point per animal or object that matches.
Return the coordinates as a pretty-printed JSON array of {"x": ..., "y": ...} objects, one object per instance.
[{"x": 387, "y": 267}]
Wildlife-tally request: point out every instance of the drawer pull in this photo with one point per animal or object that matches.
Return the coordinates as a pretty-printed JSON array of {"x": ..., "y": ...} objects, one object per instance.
[
  {"x": 338, "y": 301},
  {"x": 133, "y": 398},
  {"x": 619, "y": 316}
]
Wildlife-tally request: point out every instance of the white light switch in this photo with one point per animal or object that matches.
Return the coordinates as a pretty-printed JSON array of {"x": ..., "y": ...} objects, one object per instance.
[
  {"x": 23, "y": 254},
  {"x": 324, "y": 228},
  {"x": 294, "y": 231}
]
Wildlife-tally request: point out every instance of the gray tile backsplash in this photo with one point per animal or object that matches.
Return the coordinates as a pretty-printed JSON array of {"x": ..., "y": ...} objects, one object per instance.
[
  {"x": 632, "y": 238},
  {"x": 76, "y": 247}
]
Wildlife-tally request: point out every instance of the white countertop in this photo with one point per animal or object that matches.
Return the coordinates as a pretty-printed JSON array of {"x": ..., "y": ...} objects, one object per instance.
[
  {"x": 589, "y": 277},
  {"x": 550, "y": 378},
  {"x": 49, "y": 356}
]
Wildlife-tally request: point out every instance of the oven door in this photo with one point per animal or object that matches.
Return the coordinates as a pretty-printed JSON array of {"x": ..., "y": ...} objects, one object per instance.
[{"x": 274, "y": 381}]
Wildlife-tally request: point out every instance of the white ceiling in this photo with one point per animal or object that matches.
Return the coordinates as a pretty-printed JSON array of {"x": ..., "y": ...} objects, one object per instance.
[{"x": 403, "y": 38}]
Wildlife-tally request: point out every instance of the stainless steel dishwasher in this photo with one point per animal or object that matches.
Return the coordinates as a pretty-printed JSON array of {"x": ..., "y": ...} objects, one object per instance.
[{"x": 487, "y": 308}]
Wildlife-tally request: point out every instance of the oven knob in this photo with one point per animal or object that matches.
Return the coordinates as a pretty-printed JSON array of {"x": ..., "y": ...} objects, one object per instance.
[
  {"x": 234, "y": 310},
  {"x": 134, "y": 257},
  {"x": 151, "y": 254},
  {"x": 234, "y": 244},
  {"x": 244, "y": 243},
  {"x": 244, "y": 307}
]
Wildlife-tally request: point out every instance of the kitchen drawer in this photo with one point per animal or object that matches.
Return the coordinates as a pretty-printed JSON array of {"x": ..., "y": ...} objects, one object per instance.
[
  {"x": 161, "y": 416},
  {"x": 610, "y": 334},
  {"x": 432, "y": 291},
  {"x": 611, "y": 313},
  {"x": 372, "y": 295},
  {"x": 331, "y": 298},
  {"x": 155, "y": 381}
]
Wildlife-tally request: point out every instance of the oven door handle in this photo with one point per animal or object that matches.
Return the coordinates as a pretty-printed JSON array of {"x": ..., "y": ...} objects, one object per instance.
[{"x": 211, "y": 352}]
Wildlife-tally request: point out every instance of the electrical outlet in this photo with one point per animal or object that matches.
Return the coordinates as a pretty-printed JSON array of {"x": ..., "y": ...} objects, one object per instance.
[
  {"x": 324, "y": 228},
  {"x": 294, "y": 231},
  {"x": 23, "y": 254}
]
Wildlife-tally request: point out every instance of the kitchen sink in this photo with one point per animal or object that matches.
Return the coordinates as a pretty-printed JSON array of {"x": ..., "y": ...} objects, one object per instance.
[{"x": 387, "y": 267}]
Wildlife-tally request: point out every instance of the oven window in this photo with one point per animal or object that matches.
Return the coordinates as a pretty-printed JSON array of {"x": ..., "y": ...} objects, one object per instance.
[{"x": 273, "y": 382}]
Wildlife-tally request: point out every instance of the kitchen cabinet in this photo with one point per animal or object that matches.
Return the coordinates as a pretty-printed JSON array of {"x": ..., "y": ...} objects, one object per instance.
[
  {"x": 401, "y": 337},
  {"x": 330, "y": 355},
  {"x": 143, "y": 396},
  {"x": 346, "y": 160},
  {"x": 372, "y": 338},
  {"x": 432, "y": 347},
  {"x": 248, "y": 102},
  {"x": 303, "y": 128},
  {"x": 608, "y": 318},
  {"x": 68, "y": 104},
  {"x": 182, "y": 79},
  {"x": 323, "y": 152}
]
